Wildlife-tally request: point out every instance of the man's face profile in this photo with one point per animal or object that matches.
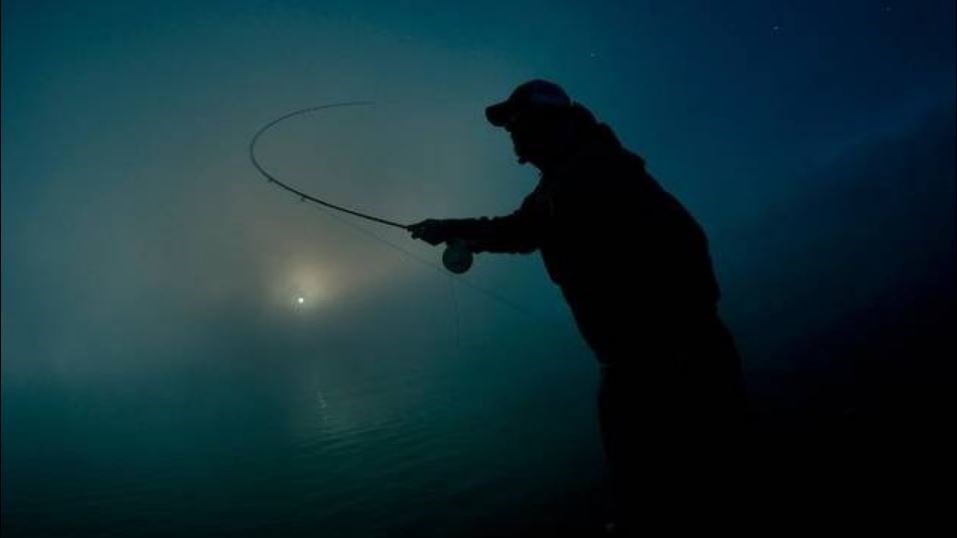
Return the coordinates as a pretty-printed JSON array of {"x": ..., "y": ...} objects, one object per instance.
[{"x": 528, "y": 140}]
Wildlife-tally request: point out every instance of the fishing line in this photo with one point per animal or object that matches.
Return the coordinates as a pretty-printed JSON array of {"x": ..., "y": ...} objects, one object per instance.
[
  {"x": 435, "y": 267},
  {"x": 460, "y": 279},
  {"x": 456, "y": 317},
  {"x": 325, "y": 205}
]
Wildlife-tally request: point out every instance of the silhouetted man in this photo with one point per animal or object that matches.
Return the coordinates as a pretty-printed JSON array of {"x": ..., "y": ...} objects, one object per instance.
[{"x": 635, "y": 270}]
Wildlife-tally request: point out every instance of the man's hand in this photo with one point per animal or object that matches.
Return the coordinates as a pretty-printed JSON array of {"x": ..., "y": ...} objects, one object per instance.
[{"x": 432, "y": 231}]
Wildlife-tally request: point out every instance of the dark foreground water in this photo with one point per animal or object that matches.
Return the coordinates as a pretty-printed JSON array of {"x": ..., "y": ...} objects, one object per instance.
[
  {"x": 294, "y": 443},
  {"x": 229, "y": 424}
]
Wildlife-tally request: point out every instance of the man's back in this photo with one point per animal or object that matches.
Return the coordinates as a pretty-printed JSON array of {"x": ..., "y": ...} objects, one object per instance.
[
  {"x": 635, "y": 269},
  {"x": 628, "y": 257}
]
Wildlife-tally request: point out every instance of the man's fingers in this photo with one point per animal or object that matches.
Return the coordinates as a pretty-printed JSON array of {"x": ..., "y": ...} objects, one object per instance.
[
  {"x": 417, "y": 228},
  {"x": 429, "y": 230}
]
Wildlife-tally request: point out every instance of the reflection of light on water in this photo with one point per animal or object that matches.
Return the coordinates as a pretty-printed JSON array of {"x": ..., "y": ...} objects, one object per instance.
[{"x": 321, "y": 411}]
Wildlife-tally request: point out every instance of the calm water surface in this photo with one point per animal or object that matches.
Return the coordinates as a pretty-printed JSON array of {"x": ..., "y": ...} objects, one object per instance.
[{"x": 293, "y": 442}]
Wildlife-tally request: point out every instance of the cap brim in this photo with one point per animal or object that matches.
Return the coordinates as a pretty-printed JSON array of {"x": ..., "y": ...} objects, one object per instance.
[{"x": 499, "y": 113}]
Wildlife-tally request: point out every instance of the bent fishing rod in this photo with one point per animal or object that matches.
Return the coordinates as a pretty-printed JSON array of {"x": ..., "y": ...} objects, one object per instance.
[{"x": 457, "y": 258}]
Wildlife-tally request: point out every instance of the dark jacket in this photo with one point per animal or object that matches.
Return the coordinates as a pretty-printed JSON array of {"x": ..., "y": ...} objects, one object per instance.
[{"x": 632, "y": 263}]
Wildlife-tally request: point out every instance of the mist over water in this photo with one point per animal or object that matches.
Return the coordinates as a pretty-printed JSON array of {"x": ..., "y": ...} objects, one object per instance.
[{"x": 161, "y": 377}]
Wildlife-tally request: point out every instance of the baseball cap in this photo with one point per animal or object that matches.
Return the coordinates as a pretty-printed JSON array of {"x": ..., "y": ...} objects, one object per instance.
[{"x": 535, "y": 94}]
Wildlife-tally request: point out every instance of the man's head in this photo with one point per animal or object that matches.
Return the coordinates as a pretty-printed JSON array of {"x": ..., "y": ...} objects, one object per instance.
[{"x": 537, "y": 116}]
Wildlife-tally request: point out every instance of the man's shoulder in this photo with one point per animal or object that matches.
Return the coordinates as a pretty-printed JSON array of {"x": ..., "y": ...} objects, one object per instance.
[
  {"x": 615, "y": 171},
  {"x": 614, "y": 160}
]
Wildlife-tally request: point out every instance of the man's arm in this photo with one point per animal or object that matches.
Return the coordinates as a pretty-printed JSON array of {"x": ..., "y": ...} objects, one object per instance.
[{"x": 516, "y": 233}]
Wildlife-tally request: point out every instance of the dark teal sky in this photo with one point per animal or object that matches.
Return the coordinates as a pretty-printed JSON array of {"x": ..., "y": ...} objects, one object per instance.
[
  {"x": 150, "y": 277},
  {"x": 129, "y": 207}
]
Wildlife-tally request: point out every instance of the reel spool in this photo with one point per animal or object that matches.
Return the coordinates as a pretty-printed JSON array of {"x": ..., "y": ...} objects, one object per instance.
[{"x": 457, "y": 257}]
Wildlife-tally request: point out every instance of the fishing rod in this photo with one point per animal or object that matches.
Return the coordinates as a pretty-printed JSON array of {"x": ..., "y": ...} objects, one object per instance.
[{"x": 457, "y": 258}]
